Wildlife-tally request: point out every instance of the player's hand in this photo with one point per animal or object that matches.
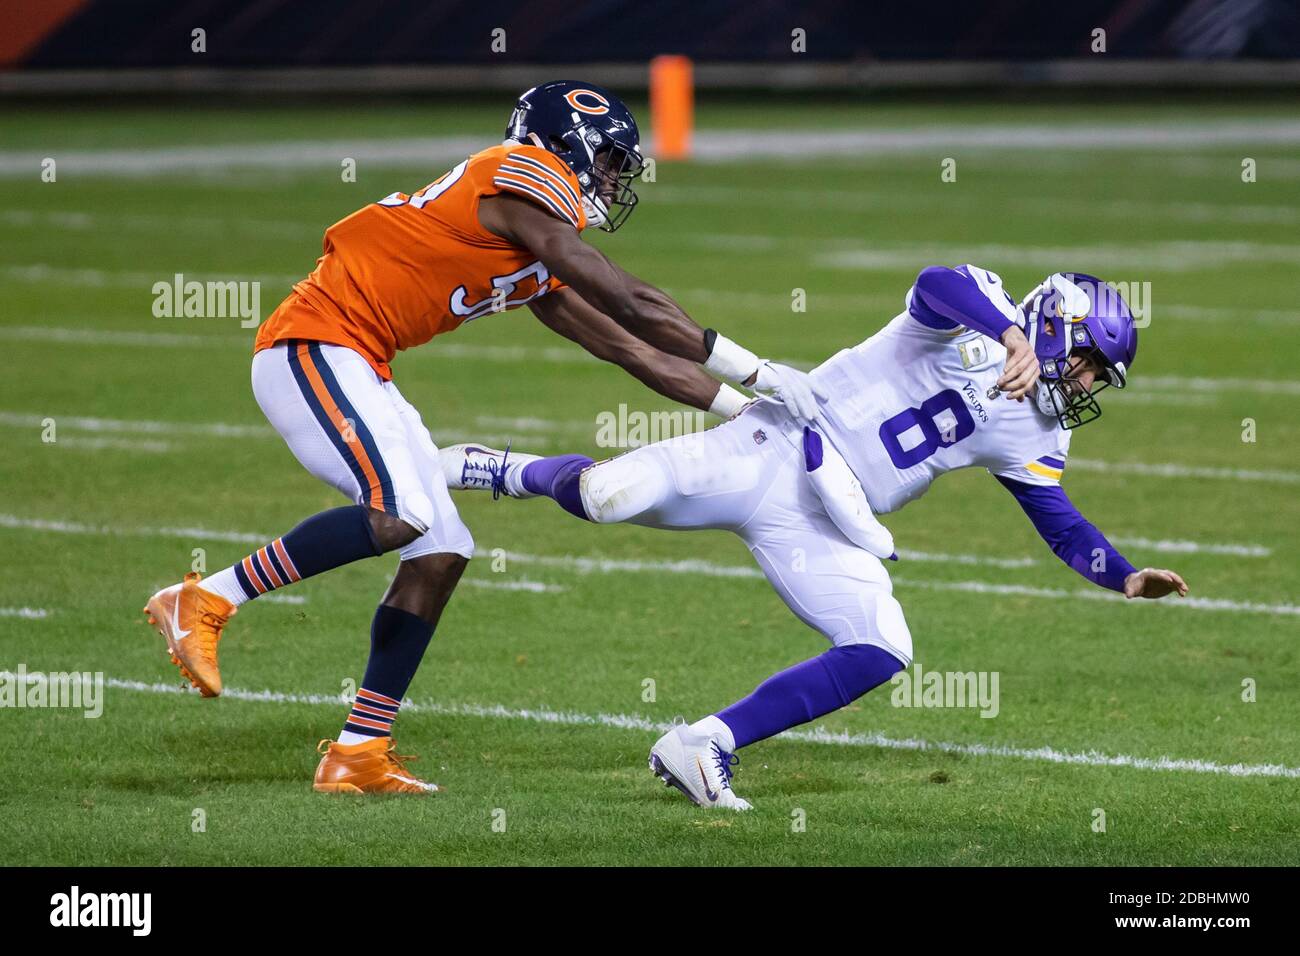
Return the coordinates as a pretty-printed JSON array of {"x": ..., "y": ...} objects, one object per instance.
[
  {"x": 1020, "y": 372},
  {"x": 1154, "y": 583},
  {"x": 792, "y": 388}
]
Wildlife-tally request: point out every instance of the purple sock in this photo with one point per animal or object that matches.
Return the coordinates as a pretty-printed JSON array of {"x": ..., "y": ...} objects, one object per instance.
[
  {"x": 808, "y": 690},
  {"x": 557, "y": 478}
]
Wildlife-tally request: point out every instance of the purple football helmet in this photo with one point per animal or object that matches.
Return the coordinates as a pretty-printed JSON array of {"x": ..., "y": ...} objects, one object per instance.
[{"x": 1071, "y": 313}]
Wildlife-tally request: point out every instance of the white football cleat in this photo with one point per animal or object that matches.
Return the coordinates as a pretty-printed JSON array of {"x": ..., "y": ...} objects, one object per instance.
[
  {"x": 468, "y": 466},
  {"x": 696, "y": 765}
]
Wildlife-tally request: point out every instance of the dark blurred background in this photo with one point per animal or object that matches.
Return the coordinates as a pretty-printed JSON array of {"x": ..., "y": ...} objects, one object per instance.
[{"x": 89, "y": 46}]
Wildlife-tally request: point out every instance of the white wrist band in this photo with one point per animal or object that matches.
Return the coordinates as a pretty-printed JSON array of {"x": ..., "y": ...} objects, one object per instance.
[
  {"x": 728, "y": 401},
  {"x": 731, "y": 362}
]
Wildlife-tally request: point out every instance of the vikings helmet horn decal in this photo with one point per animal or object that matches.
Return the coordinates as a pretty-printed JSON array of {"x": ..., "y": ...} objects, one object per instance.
[{"x": 1069, "y": 314}]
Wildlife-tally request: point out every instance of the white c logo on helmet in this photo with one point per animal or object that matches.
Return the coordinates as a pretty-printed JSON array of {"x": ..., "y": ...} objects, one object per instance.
[{"x": 596, "y": 108}]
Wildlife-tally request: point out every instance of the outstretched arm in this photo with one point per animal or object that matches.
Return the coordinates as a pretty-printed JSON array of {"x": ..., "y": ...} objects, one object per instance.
[
  {"x": 1085, "y": 549},
  {"x": 643, "y": 310},
  {"x": 567, "y": 313},
  {"x": 648, "y": 313}
]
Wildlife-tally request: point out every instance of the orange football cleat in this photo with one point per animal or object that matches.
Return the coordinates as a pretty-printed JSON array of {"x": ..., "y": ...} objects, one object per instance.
[
  {"x": 369, "y": 767},
  {"x": 192, "y": 620}
]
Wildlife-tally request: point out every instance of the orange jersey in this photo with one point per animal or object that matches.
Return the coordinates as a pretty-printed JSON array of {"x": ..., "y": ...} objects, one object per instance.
[{"x": 406, "y": 268}]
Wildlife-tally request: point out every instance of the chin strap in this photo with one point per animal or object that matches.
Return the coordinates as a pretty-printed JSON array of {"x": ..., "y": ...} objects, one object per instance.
[{"x": 595, "y": 210}]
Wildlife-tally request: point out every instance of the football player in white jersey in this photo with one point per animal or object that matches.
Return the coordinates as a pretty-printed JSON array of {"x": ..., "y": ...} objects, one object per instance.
[{"x": 963, "y": 377}]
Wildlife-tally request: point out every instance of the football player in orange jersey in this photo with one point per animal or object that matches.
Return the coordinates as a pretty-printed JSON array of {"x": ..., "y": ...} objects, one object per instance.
[{"x": 500, "y": 230}]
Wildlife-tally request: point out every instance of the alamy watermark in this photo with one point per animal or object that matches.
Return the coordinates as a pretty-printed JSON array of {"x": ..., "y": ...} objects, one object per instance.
[
  {"x": 77, "y": 690},
  {"x": 132, "y": 911},
  {"x": 213, "y": 299},
  {"x": 632, "y": 429},
  {"x": 922, "y": 688},
  {"x": 1106, "y": 298}
]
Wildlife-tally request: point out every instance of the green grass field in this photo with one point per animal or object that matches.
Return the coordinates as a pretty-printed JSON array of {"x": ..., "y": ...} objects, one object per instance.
[{"x": 523, "y": 690}]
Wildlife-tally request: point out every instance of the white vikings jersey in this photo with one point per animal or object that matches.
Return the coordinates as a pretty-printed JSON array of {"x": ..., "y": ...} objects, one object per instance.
[{"x": 912, "y": 402}]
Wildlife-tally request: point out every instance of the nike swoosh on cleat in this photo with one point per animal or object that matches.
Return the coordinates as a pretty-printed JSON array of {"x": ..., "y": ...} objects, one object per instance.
[
  {"x": 176, "y": 621},
  {"x": 411, "y": 780},
  {"x": 708, "y": 791}
]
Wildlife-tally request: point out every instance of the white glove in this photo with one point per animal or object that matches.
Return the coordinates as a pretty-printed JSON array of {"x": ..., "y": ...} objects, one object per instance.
[{"x": 792, "y": 388}]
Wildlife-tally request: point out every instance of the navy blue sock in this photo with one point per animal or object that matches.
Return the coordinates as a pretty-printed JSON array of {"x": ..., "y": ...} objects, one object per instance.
[
  {"x": 808, "y": 690},
  {"x": 557, "y": 478},
  {"x": 398, "y": 640},
  {"x": 324, "y": 541}
]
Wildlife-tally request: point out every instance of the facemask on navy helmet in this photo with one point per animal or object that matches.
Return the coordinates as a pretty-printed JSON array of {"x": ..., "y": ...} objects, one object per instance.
[
  {"x": 594, "y": 133},
  {"x": 1073, "y": 314}
]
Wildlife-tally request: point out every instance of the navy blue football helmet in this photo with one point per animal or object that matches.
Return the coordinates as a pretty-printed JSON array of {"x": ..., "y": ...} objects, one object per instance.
[{"x": 594, "y": 133}]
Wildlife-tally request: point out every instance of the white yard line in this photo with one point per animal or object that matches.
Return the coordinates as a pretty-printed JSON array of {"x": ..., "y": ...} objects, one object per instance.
[
  {"x": 428, "y": 152},
  {"x": 563, "y": 355},
  {"x": 709, "y": 145},
  {"x": 872, "y": 199},
  {"x": 78, "y": 528},
  {"x": 40, "y": 273},
  {"x": 552, "y": 355},
  {"x": 543, "y": 425},
  {"x": 578, "y": 564},
  {"x": 586, "y": 565},
  {"x": 80, "y": 443},
  {"x": 868, "y": 199},
  {"x": 1131, "y": 396},
  {"x": 27, "y": 613},
  {"x": 817, "y": 735},
  {"x": 709, "y": 569},
  {"x": 65, "y": 423},
  {"x": 1225, "y": 314},
  {"x": 1173, "y": 470},
  {"x": 719, "y": 145},
  {"x": 1211, "y": 167},
  {"x": 133, "y": 339},
  {"x": 209, "y": 226},
  {"x": 519, "y": 584},
  {"x": 1192, "y": 547},
  {"x": 137, "y": 426},
  {"x": 1098, "y": 594},
  {"x": 1192, "y": 383},
  {"x": 1178, "y": 256},
  {"x": 504, "y": 429}
]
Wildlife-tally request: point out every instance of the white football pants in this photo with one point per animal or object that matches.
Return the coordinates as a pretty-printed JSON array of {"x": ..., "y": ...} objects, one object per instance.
[
  {"x": 355, "y": 432},
  {"x": 747, "y": 476}
]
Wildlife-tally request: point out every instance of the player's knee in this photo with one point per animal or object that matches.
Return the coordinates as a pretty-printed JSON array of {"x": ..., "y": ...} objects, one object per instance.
[
  {"x": 436, "y": 571},
  {"x": 424, "y": 584},
  {"x": 621, "y": 489},
  {"x": 391, "y": 531}
]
